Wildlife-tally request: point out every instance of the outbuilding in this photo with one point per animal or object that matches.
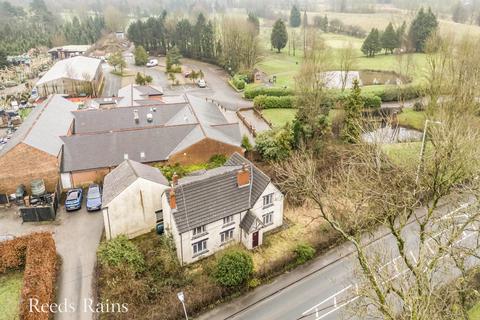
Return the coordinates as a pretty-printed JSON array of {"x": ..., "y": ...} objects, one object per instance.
[{"x": 132, "y": 199}]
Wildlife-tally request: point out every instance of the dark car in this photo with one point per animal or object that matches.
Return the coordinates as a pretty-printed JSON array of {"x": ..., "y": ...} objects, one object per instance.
[
  {"x": 74, "y": 199},
  {"x": 94, "y": 197}
]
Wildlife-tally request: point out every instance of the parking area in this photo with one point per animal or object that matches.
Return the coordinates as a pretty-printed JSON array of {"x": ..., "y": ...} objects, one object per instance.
[{"x": 77, "y": 235}]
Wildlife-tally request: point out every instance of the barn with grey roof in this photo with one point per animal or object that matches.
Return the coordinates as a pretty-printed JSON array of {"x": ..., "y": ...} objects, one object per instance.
[{"x": 185, "y": 133}]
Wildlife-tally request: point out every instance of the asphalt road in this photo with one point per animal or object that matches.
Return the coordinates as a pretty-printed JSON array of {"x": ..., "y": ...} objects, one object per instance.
[{"x": 325, "y": 289}]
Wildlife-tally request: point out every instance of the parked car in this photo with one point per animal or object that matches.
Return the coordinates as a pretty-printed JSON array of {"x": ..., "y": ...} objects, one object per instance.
[
  {"x": 74, "y": 199},
  {"x": 187, "y": 74},
  {"x": 201, "y": 83},
  {"x": 152, "y": 63},
  {"x": 94, "y": 197}
]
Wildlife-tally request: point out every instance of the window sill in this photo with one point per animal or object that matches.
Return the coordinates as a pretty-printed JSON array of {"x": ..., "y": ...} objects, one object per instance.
[
  {"x": 198, "y": 254},
  {"x": 268, "y": 206},
  {"x": 228, "y": 224},
  {"x": 268, "y": 224},
  {"x": 197, "y": 236},
  {"x": 226, "y": 243}
]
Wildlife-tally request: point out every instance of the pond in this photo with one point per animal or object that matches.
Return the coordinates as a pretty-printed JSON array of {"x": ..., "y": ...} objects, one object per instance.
[
  {"x": 388, "y": 134},
  {"x": 366, "y": 78}
]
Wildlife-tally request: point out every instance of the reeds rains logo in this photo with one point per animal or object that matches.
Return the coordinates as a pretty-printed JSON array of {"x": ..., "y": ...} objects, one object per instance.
[{"x": 88, "y": 305}]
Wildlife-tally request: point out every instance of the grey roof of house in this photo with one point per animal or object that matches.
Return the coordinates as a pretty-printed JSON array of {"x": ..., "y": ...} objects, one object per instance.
[
  {"x": 124, "y": 175},
  {"x": 248, "y": 221},
  {"x": 137, "y": 95},
  {"x": 77, "y": 68},
  {"x": 203, "y": 199},
  {"x": 44, "y": 126},
  {"x": 90, "y": 151},
  {"x": 103, "y": 136}
]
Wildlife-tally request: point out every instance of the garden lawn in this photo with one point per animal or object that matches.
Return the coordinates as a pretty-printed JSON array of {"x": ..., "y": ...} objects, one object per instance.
[
  {"x": 474, "y": 313},
  {"x": 412, "y": 119},
  {"x": 10, "y": 288},
  {"x": 279, "y": 117},
  {"x": 407, "y": 153}
]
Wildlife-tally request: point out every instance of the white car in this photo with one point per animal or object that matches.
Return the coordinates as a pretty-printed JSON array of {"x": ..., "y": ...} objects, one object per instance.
[
  {"x": 201, "y": 83},
  {"x": 152, "y": 63}
]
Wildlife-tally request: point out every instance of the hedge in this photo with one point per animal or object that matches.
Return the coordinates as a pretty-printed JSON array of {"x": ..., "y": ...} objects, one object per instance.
[
  {"x": 272, "y": 102},
  {"x": 239, "y": 82},
  {"x": 37, "y": 254},
  {"x": 251, "y": 93},
  {"x": 394, "y": 93}
]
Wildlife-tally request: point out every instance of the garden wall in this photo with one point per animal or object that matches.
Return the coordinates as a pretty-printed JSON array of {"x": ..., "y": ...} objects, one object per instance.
[{"x": 37, "y": 255}]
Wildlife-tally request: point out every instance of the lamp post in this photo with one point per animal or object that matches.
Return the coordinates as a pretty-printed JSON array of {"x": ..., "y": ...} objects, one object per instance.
[
  {"x": 422, "y": 149},
  {"x": 181, "y": 297}
]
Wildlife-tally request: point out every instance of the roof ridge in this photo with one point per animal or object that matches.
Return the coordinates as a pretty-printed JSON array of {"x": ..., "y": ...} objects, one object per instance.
[
  {"x": 133, "y": 129},
  {"x": 132, "y": 168}
]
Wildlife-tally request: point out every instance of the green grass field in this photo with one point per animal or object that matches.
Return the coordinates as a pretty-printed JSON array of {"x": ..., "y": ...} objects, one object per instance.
[
  {"x": 474, "y": 313},
  {"x": 412, "y": 119},
  {"x": 403, "y": 153},
  {"x": 10, "y": 288},
  {"x": 279, "y": 117}
]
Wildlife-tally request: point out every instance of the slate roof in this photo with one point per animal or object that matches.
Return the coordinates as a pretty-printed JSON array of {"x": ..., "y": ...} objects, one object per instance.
[
  {"x": 103, "y": 136},
  {"x": 205, "y": 198},
  {"x": 77, "y": 68},
  {"x": 134, "y": 94},
  {"x": 44, "y": 126},
  {"x": 248, "y": 221},
  {"x": 124, "y": 175}
]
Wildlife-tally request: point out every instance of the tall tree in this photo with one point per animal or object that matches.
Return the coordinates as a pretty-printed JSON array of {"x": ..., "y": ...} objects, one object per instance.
[
  {"x": 422, "y": 27},
  {"x": 141, "y": 56},
  {"x": 253, "y": 19},
  {"x": 389, "y": 39},
  {"x": 279, "y": 36},
  {"x": 401, "y": 35},
  {"x": 353, "y": 114},
  {"x": 371, "y": 46},
  {"x": 3, "y": 59},
  {"x": 295, "y": 17}
]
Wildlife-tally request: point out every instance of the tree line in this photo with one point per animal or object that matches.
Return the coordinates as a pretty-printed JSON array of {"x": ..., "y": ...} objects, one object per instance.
[
  {"x": 422, "y": 27},
  {"x": 232, "y": 43}
]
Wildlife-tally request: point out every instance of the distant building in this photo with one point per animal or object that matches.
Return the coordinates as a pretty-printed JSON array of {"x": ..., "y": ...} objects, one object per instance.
[
  {"x": 207, "y": 211},
  {"x": 69, "y": 51},
  {"x": 75, "y": 76},
  {"x": 186, "y": 133},
  {"x": 136, "y": 95},
  {"x": 132, "y": 199},
  {"x": 35, "y": 150},
  {"x": 120, "y": 35}
]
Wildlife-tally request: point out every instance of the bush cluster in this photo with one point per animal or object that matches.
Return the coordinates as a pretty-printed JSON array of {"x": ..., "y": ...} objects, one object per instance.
[
  {"x": 272, "y": 102},
  {"x": 234, "y": 268},
  {"x": 239, "y": 81},
  {"x": 395, "y": 93},
  {"x": 370, "y": 101},
  {"x": 38, "y": 255},
  {"x": 217, "y": 160},
  {"x": 175, "y": 69},
  {"x": 121, "y": 252},
  {"x": 304, "y": 252},
  {"x": 251, "y": 93}
]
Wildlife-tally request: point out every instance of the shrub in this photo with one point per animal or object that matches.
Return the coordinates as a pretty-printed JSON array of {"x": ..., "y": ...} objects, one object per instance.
[
  {"x": 304, "y": 252},
  {"x": 253, "y": 283},
  {"x": 37, "y": 253},
  {"x": 371, "y": 101},
  {"x": 251, "y": 93},
  {"x": 273, "y": 102},
  {"x": 246, "y": 143},
  {"x": 239, "y": 81},
  {"x": 217, "y": 160},
  {"x": 234, "y": 268},
  {"x": 120, "y": 252},
  {"x": 418, "y": 106},
  {"x": 395, "y": 93},
  {"x": 275, "y": 144}
]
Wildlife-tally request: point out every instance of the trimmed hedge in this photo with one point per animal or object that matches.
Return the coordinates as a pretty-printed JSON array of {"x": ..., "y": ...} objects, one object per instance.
[
  {"x": 394, "y": 93},
  {"x": 251, "y": 93},
  {"x": 38, "y": 255},
  {"x": 272, "y": 102}
]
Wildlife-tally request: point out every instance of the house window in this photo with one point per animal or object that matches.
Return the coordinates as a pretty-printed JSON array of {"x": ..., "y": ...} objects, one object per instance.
[
  {"x": 228, "y": 219},
  {"x": 200, "y": 246},
  {"x": 198, "y": 230},
  {"x": 268, "y": 218},
  {"x": 268, "y": 200},
  {"x": 226, "y": 235}
]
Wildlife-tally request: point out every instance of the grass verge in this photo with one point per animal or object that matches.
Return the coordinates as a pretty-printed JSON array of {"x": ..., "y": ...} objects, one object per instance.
[{"x": 11, "y": 284}]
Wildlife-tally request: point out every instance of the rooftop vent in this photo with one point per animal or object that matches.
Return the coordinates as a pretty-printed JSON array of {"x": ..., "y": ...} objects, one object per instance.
[
  {"x": 125, "y": 156},
  {"x": 149, "y": 117},
  {"x": 135, "y": 116},
  {"x": 142, "y": 155}
]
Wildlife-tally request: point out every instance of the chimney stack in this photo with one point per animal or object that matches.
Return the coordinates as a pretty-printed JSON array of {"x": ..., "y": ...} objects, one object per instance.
[
  {"x": 243, "y": 176},
  {"x": 173, "y": 199},
  {"x": 175, "y": 179}
]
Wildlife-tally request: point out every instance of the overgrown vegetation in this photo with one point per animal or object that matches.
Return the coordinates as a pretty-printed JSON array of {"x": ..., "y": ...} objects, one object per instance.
[
  {"x": 233, "y": 268},
  {"x": 215, "y": 161}
]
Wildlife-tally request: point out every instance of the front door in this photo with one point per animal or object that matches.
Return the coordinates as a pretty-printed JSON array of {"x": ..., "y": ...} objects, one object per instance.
[{"x": 255, "y": 239}]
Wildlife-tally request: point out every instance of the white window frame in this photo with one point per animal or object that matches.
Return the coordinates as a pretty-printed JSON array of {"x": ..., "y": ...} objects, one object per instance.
[
  {"x": 199, "y": 247},
  {"x": 227, "y": 235},
  {"x": 228, "y": 219},
  {"x": 199, "y": 230},
  {"x": 268, "y": 200},
  {"x": 267, "y": 218}
]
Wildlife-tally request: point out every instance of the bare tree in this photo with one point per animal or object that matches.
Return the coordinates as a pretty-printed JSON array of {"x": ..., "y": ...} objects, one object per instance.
[{"x": 347, "y": 61}]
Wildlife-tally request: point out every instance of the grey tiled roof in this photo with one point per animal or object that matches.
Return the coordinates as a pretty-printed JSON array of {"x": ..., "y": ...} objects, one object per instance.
[
  {"x": 248, "y": 221},
  {"x": 89, "y": 151},
  {"x": 44, "y": 126},
  {"x": 203, "y": 199},
  {"x": 124, "y": 175}
]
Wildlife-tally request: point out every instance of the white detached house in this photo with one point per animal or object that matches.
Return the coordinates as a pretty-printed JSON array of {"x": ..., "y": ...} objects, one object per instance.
[{"x": 207, "y": 211}]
